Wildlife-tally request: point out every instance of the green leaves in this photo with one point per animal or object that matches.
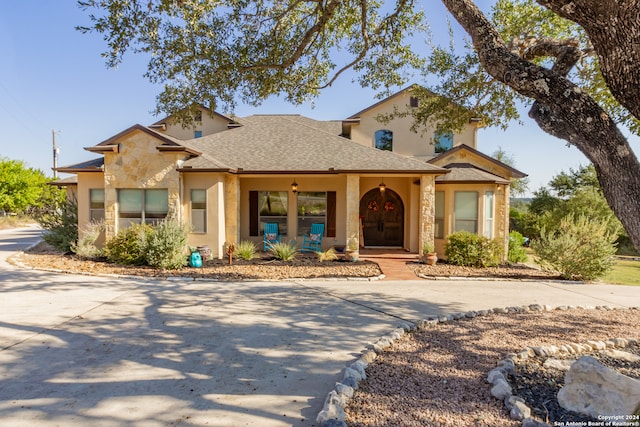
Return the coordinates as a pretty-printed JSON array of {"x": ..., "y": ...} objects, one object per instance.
[
  {"x": 21, "y": 187},
  {"x": 212, "y": 52}
]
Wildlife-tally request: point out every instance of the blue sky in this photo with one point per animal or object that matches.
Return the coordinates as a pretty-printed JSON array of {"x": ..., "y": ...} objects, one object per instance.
[{"x": 52, "y": 77}]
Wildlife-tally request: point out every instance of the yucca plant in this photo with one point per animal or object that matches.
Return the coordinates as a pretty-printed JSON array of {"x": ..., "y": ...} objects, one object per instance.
[
  {"x": 283, "y": 251},
  {"x": 246, "y": 250},
  {"x": 328, "y": 255}
]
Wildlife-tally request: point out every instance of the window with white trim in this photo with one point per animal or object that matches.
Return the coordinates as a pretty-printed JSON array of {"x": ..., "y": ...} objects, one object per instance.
[
  {"x": 488, "y": 214},
  {"x": 465, "y": 211}
]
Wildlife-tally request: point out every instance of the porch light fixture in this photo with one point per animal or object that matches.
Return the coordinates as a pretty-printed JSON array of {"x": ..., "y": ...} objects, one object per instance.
[
  {"x": 294, "y": 186},
  {"x": 382, "y": 187}
]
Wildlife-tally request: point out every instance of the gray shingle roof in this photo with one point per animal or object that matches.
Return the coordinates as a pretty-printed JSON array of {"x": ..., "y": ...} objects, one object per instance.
[
  {"x": 291, "y": 143},
  {"x": 465, "y": 172}
]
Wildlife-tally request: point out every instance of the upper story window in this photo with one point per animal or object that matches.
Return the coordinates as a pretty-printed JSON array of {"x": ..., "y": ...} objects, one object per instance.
[
  {"x": 384, "y": 140},
  {"x": 197, "y": 134},
  {"x": 413, "y": 102},
  {"x": 197, "y": 116},
  {"x": 443, "y": 141}
]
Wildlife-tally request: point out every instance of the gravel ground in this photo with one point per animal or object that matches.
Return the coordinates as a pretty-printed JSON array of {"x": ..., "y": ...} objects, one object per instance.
[
  {"x": 538, "y": 385},
  {"x": 44, "y": 256},
  {"x": 437, "y": 377}
]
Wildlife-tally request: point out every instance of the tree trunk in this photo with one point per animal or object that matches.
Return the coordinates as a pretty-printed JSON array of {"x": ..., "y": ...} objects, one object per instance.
[{"x": 565, "y": 111}]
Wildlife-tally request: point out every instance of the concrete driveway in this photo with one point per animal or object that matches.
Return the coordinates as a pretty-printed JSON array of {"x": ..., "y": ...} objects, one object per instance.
[{"x": 79, "y": 350}]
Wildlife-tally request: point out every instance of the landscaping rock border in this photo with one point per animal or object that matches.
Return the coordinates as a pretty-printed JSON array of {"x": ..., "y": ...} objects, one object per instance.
[{"x": 333, "y": 412}]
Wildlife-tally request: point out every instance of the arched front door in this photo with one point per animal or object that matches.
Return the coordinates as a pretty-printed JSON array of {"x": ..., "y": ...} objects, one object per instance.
[{"x": 382, "y": 216}]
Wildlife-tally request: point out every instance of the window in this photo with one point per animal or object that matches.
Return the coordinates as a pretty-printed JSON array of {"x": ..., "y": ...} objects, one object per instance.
[
  {"x": 443, "y": 141},
  {"x": 488, "y": 214},
  {"x": 198, "y": 211},
  {"x": 384, "y": 140},
  {"x": 466, "y": 211},
  {"x": 96, "y": 204},
  {"x": 439, "y": 219},
  {"x": 197, "y": 134},
  {"x": 312, "y": 208},
  {"x": 138, "y": 206},
  {"x": 197, "y": 116},
  {"x": 413, "y": 102},
  {"x": 273, "y": 208}
]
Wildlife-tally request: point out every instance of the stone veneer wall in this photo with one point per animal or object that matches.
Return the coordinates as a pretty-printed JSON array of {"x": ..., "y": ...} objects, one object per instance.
[
  {"x": 427, "y": 210},
  {"x": 139, "y": 164}
]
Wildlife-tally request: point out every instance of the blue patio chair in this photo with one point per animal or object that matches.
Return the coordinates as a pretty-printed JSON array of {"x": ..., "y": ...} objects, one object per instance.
[
  {"x": 313, "y": 242},
  {"x": 271, "y": 235}
]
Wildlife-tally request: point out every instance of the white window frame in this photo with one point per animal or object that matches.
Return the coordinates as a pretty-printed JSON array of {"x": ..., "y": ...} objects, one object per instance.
[
  {"x": 461, "y": 220},
  {"x": 489, "y": 214},
  {"x": 439, "y": 218}
]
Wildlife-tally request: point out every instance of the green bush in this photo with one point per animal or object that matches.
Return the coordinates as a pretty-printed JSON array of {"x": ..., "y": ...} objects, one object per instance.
[
  {"x": 165, "y": 245},
  {"x": 468, "y": 249},
  {"x": 246, "y": 250},
  {"x": 516, "y": 252},
  {"x": 580, "y": 249},
  {"x": 283, "y": 251},
  {"x": 86, "y": 245},
  {"x": 60, "y": 222},
  {"x": 129, "y": 245}
]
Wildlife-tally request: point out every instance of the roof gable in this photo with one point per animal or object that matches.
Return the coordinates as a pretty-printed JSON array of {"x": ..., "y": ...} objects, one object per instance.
[
  {"x": 167, "y": 143},
  {"x": 465, "y": 154}
]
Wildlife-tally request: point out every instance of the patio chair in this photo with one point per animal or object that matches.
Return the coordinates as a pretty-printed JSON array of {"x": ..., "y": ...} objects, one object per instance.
[
  {"x": 313, "y": 242},
  {"x": 271, "y": 235}
]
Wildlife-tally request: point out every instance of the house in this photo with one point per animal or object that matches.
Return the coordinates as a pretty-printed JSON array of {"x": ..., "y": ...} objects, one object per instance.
[{"x": 225, "y": 177}]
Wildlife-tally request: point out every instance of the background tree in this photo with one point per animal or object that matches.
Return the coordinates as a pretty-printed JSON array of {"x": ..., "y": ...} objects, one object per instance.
[
  {"x": 518, "y": 186},
  {"x": 575, "y": 61},
  {"x": 22, "y": 188}
]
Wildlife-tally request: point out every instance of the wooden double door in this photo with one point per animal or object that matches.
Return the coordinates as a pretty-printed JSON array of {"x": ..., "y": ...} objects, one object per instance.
[{"x": 382, "y": 214}]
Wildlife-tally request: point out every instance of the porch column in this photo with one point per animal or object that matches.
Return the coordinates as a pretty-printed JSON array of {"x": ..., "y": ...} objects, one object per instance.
[
  {"x": 427, "y": 211},
  {"x": 231, "y": 209},
  {"x": 502, "y": 216},
  {"x": 353, "y": 208}
]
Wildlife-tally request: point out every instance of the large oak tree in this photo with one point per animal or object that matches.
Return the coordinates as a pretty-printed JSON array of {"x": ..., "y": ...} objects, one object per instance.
[{"x": 576, "y": 61}]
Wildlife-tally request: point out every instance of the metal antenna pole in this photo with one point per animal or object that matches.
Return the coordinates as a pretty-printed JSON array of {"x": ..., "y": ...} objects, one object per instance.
[{"x": 56, "y": 151}]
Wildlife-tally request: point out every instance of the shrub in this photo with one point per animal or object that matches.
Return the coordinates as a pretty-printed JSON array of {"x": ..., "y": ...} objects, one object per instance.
[
  {"x": 328, "y": 255},
  {"x": 60, "y": 222},
  {"x": 129, "y": 245},
  {"x": 283, "y": 251},
  {"x": 86, "y": 245},
  {"x": 580, "y": 249},
  {"x": 165, "y": 245},
  {"x": 517, "y": 253},
  {"x": 246, "y": 250},
  {"x": 468, "y": 249}
]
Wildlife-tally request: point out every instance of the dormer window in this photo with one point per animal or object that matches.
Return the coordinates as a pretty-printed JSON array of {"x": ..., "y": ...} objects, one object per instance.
[
  {"x": 384, "y": 140},
  {"x": 443, "y": 141},
  {"x": 413, "y": 102}
]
